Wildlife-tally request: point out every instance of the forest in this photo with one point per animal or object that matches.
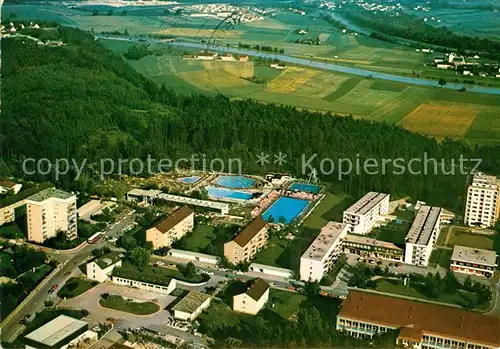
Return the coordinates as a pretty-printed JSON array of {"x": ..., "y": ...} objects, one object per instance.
[{"x": 80, "y": 101}]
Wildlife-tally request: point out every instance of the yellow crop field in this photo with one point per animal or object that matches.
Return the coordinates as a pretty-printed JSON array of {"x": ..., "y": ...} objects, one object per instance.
[
  {"x": 239, "y": 69},
  {"x": 321, "y": 84},
  {"x": 290, "y": 79},
  {"x": 364, "y": 95},
  {"x": 442, "y": 119}
]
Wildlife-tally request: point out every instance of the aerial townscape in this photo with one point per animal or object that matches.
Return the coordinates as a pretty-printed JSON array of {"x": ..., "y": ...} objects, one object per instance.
[{"x": 250, "y": 174}]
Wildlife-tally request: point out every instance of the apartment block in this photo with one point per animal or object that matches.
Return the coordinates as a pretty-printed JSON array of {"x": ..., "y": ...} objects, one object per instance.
[
  {"x": 50, "y": 211},
  {"x": 483, "y": 201},
  {"x": 420, "y": 325},
  {"x": 171, "y": 228},
  {"x": 368, "y": 247},
  {"x": 422, "y": 235},
  {"x": 246, "y": 244},
  {"x": 473, "y": 261},
  {"x": 320, "y": 256},
  {"x": 363, "y": 215}
]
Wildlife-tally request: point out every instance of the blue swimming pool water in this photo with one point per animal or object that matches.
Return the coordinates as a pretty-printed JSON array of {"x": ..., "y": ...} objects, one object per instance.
[
  {"x": 237, "y": 182},
  {"x": 308, "y": 188},
  {"x": 189, "y": 180},
  {"x": 287, "y": 207},
  {"x": 227, "y": 193}
]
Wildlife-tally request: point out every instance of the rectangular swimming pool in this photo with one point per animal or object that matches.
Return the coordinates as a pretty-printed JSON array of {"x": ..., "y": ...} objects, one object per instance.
[
  {"x": 189, "y": 180},
  {"x": 236, "y": 182},
  {"x": 285, "y": 207},
  {"x": 308, "y": 188},
  {"x": 228, "y": 193}
]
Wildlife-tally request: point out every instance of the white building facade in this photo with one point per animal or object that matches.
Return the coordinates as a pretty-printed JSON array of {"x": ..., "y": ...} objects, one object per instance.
[
  {"x": 363, "y": 215},
  {"x": 163, "y": 289},
  {"x": 482, "y": 206}
]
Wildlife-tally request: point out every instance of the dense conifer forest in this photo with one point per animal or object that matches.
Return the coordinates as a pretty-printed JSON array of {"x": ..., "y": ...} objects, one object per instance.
[{"x": 82, "y": 101}]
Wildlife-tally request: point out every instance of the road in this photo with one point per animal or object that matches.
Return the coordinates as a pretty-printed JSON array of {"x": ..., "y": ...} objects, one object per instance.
[{"x": 310, "y": 63}]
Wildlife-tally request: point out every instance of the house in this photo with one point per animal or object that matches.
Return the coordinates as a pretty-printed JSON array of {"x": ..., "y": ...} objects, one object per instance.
[
  {"x": 60, "y": 333},
  {"x": 302, "y": 32},
  {"x": 321, "y": 255},
  {"x": 438, "y": 60},
  {"x": 363, "y": 214},
  {"x": 191, "y": 306},
  {"x": 142, "y": 196},
  {"x": 473, "y": 261},
  {"x": 422, "y": 235},
  {"x": 467, "y": 73},
  {"x": 6, "y": 186},
  {"x": 253, "y": 300},
  {"x": 482, "y": 207},
  {"x": 443, "y": 66},
  {"x": 206, "y": 56},
  {"x": 187, "y": 57},
  {"x": 426, "y": 50},
  {"x": 246, "y": 244},
  {"x": 244, "y": 58},
  {"x": 171, "y": 228},
  {"x": 420, "y": 325},
  {"x": 101, "y": 268},
  {"x": 227, "y": 57}
]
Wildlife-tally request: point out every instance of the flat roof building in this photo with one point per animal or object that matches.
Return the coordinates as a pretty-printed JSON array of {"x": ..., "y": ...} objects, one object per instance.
[
  {"x": 364, "y": 213},
  {"x": 323, "y": 252},
  {"x": 482, "y": 207},
  {"x": 172, "y": 228},
  {"x": 59, "y": 333},
  {"x": 191, "y": 305},
  {"x": 246, "y": 244},
  {"x": 422, "y": 325},
  {"x": 222, "y": 208},
  {"x": 422, "y": 235},
  {"x": 364, "y": 246},
  {"x": 50, "y": 211},
  {"x": 473, "y": 261}
]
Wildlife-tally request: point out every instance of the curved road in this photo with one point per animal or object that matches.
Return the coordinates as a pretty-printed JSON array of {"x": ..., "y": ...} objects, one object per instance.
[{"x": 310, "y": 63}]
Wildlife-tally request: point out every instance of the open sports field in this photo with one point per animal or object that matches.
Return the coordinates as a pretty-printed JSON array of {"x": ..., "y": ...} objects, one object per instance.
[{"x": 441, "y": 119}]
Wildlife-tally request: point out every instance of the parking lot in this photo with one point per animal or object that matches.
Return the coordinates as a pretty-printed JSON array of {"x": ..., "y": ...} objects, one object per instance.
[{"x": 90, "y": 301}]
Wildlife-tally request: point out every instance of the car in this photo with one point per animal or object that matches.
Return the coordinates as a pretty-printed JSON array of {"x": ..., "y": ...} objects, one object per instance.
[
  {"x": 291, "y": 288},
  {"x": 54, "y": 286},
  {"x": 239, "y": 272},
  {"x": 161, "y": 263}
]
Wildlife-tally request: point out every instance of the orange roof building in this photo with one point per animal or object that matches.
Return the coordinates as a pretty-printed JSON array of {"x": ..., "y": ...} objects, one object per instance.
[{"x": 246, "y": 244}]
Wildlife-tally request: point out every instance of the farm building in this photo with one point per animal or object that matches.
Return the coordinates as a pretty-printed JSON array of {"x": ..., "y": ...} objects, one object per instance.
[
  {"x": 244, "y": 58},
  {"x": 206, "y": 56},
  {"x": 227, "y": 57}
]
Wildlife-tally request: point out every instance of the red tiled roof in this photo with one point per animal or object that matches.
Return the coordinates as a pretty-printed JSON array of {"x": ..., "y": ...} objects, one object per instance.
[
  {"x": 250, "y": 231},
  {"x": 174, "y": 219},
  {"x": 430, "y": 318}
]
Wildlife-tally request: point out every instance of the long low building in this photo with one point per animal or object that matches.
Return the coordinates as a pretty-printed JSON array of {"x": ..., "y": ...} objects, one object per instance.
[
  {"x": 323, "y": 252},
  {"x": 364, "y": 213},
  {"x": 191, "y": 306},
  {"x": 370, "y": 247},
  {"x": 220, "y": 207},
  {"x": 422, "y": 235},
  {"x": 473, "y": 261},
  {"x": 420, "y": 325}
]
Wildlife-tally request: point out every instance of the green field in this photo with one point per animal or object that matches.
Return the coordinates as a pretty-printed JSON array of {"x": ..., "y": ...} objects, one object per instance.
[
  {"x": 329, "y": 209},
  {"x": 464, "y": 238},
  {"x": 119, "y": 303},
  {"x": 200, "y": 238},
  {"x": 75, "y": 287},
  {"x": 287, "y": 304},
  {"x": 441, "y": 257}
]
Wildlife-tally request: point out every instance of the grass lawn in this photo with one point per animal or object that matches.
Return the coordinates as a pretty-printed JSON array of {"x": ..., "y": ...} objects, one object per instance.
[
  {"x": 154, "y": 275},
  {"x": 464, "y": 238},
  {"x": 11, "y": 231},
  {"x": 75, "y": 287},
  {"x": 286, "y": 304},
  {"x": 393, "y": 232},
  {"x": 200, "y": 238},
  {"x": 271, "y": 252},
  {"x": 33, "y": 278},
  {"x": 440, "y": 256},
  {"x": 117, "y": 302},
  {"x": 329, "y": 209}
]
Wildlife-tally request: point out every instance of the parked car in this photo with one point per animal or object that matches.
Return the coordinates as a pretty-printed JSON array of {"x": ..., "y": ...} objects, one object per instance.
[
  {"x": 239, "y": 272},
  {"x": 291, "y": 288},
  {"x": 161, "y": 263}
]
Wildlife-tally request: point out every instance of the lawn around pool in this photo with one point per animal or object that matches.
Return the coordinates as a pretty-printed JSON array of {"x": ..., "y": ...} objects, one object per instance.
[
  {"x": 329, "y": 209},
  {"x": 117, "y": 302}
]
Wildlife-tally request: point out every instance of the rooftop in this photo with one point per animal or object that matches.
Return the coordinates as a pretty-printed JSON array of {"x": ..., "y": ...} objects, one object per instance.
[
  {"x": 474, "y": 255},
  {"x": 56, "y": 330},
  {"x": 250, "y": 231},
  {"x": 358, "y": 239},
  {"x": 257, "y": 289},
  {"x": 423, "y": 225},
  {"x": 7, "y": 184},
  {"x": 429, "y": 318},
  {"x": 142, "y": 192},
  {"x": 329, "y": 234},
  {"x": 481, "y": 180},
  {"x": 22, "y": 195},
  {"x": 50, "y": 193},
  {"x": 191, "y": 302},
  {"x": 192, "y": 201},
  {"x": 175, "y": 218},
  {"x": 366, "y": 203},
  {"x": 109, "y": 259},
  {"x": 206, "y": 54}
]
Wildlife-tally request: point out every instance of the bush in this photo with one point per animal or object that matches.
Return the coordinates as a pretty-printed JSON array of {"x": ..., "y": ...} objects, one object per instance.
[{"x": 104, "y": 295}]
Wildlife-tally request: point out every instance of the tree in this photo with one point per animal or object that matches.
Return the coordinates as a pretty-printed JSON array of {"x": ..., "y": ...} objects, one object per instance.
[
  {"x": 190, "y": 270},
  {"x": 442, "y": 82},
  {"x": 140, "y": 257},
  {"x": 97, "y": 252},
  {"x": 451, "y": 282},
  {"x": 128, "y": 242},
  {"x": 312, "y": 289}
]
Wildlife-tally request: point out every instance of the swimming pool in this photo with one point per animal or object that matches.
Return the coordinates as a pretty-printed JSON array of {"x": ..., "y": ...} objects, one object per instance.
[
  {"x": 189, "y": 180},
  {"x": 237, "y": 182},
  {"x": 285, "y": 207},
  {"x": 228, "y": 194},
  {"x": 308, "y": 188}
]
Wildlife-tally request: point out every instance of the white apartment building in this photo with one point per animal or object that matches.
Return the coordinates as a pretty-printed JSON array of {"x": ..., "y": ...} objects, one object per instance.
[
  {"x": 50, "y": 211},
  {"x": 254, "y": 299},
  {"x": 323, "y": 252},
  {"x": 363, "y": 214},
  {"x": 483, "y": 201},
  {"x": 171, "y": 228},
  {"x": 473, "y": 261},
  {"x": 101, "y": 268},
  {"x": 422, "y": 235}
]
